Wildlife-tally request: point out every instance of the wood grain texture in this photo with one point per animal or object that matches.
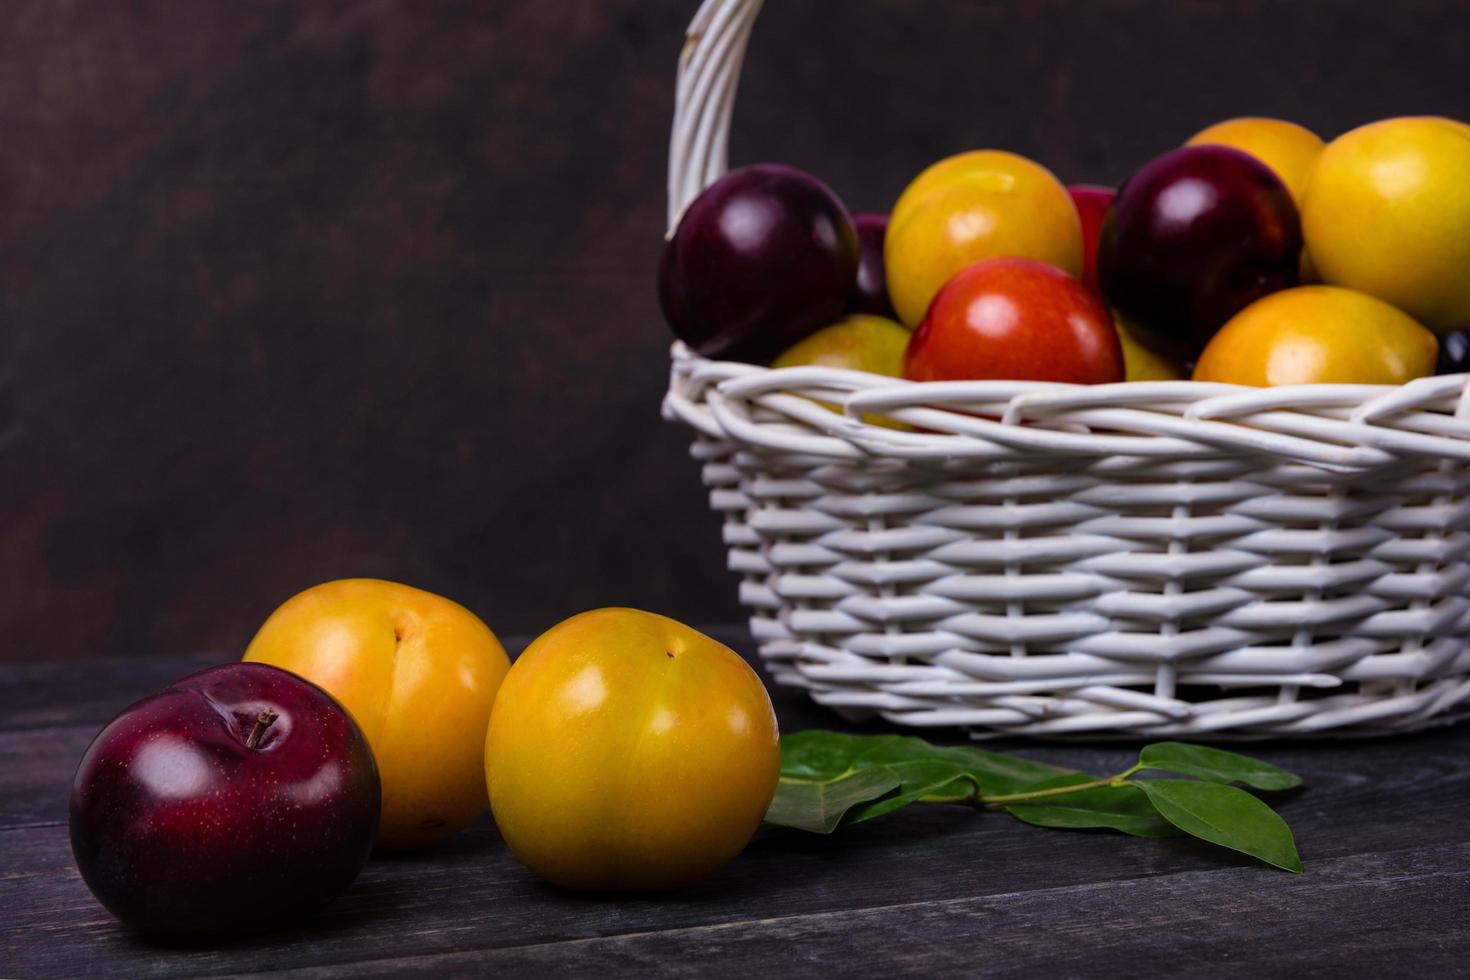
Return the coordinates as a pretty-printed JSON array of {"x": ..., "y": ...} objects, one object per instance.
[
  {"x": 1358, "y": 913},
  {"x": 298, "y": 289},
  {"x": 1379, "y": 825}
]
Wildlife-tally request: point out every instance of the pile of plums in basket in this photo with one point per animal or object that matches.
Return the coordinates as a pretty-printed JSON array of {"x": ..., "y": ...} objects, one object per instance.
[{"x": 1254, "y": 254}]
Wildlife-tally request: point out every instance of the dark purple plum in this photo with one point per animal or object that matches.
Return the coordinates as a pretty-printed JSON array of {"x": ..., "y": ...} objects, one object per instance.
[
  {"x": 870, "y": 292},
  {"x": 240, "y": 799},
  {"x": 1194, "y": 237},
  {"x": 1454, "y": 353},
  {"x": 765, "y": 256}
]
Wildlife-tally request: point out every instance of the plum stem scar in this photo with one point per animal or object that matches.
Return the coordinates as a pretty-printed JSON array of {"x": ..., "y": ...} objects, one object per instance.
[{"x": 263, "y": 721}]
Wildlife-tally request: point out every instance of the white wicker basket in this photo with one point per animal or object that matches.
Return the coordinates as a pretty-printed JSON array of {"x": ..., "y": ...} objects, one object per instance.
[{"x": 1143, "y": 559}]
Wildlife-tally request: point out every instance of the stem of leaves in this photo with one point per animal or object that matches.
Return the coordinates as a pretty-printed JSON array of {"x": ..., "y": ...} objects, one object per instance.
[
  {"x": 1005, "y": 799},
  {"x": 976, "y": 796},
  {"x": 831, "y": 779}
]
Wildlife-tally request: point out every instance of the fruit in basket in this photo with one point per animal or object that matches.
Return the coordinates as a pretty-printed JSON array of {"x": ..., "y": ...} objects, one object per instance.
[
  {"x": 870, "y": 291},
  {"x": 1388, "y": 213},
  {"x": 1194, "y": 237},
  {"x": 1142, "y": 364},
  {"x": 1288, "y": 149},
  {"x": 1092, "y": 206},
  {"x": 630, "y": 752},
  {"x": 763, "y": 257},
  {"x": 1318, "y": 335},
  {"x": 938, "y": 175},
  {"x": 1454, "y": 353},
  {"x": 978, "y": 205},
  {"x": 1015, "y": 319},
  {"x": 858, "y": 342},
  {"x": 419, "y": 673},
  {"x": 238, "y": 799}
]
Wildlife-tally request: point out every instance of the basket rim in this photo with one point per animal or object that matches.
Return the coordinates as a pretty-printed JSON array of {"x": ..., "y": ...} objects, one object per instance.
[
  {"x": 834, "y": 412},
  {"x": 1183, "y": 388}
]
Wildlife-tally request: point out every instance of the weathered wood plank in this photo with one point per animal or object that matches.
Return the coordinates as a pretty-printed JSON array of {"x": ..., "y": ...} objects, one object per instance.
[
  {"x": 36, "y": 769},
  {"x": 1404, "y": 906},
  {"x": 1362, "y": 916},
  {"x": 424, "y": 912},
  {"x": 472, "y": 894},
  {"x": 53, "y": 693}
]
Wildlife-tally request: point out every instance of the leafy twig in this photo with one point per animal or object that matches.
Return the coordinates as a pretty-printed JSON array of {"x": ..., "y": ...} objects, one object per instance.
[{"x": 829, "y": 779}]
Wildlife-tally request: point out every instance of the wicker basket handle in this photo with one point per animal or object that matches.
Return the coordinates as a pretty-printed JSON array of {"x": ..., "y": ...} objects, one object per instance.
[{"x": 709, "y": 71}]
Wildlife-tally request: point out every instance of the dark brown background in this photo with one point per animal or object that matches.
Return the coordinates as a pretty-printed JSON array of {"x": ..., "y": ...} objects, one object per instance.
[{"x": 299, "y": 289}]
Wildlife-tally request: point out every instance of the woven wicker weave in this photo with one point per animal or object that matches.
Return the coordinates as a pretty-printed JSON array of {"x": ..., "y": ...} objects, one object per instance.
[{"x": 1161, "y": 558}]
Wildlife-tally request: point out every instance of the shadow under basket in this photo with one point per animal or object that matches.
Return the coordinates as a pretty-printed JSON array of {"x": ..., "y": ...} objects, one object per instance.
[{"x": 1139, "y": 560}]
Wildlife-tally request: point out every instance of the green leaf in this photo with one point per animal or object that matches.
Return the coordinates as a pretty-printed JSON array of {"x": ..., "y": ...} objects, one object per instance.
[
  {"x": 818, "y": 754},
  {"x": 992, "y": 772},
  {"x": 923, "y": 770},
  {"x": 819, "y": 806},
  {"x": 1216, "y": 765},
  {"x": 829, "y": 779},
  {"x": 1226, "y": 816},
  {"x": 1124, "y": 808},
  {"x": 917, "y": 779}
]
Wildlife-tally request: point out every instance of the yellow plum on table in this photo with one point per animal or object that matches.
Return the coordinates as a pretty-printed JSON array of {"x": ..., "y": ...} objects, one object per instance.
[
  {"x": 418, "y": 673},
  {"x": 630, "y": 752}
]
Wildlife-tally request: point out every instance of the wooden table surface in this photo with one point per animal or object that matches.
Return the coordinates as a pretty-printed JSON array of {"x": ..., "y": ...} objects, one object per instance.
[{"x": 1383, "y": 827}]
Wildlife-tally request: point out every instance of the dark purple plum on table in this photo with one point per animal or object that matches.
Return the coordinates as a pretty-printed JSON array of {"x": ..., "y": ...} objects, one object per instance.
[
  {"x": 240, "y": 799},
  {"x": 1454, "y": 353},
  {"x": 1194, "y": 237},
  {"x": 870, "y": 292},
  {"x": 765, "y": 256}
]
